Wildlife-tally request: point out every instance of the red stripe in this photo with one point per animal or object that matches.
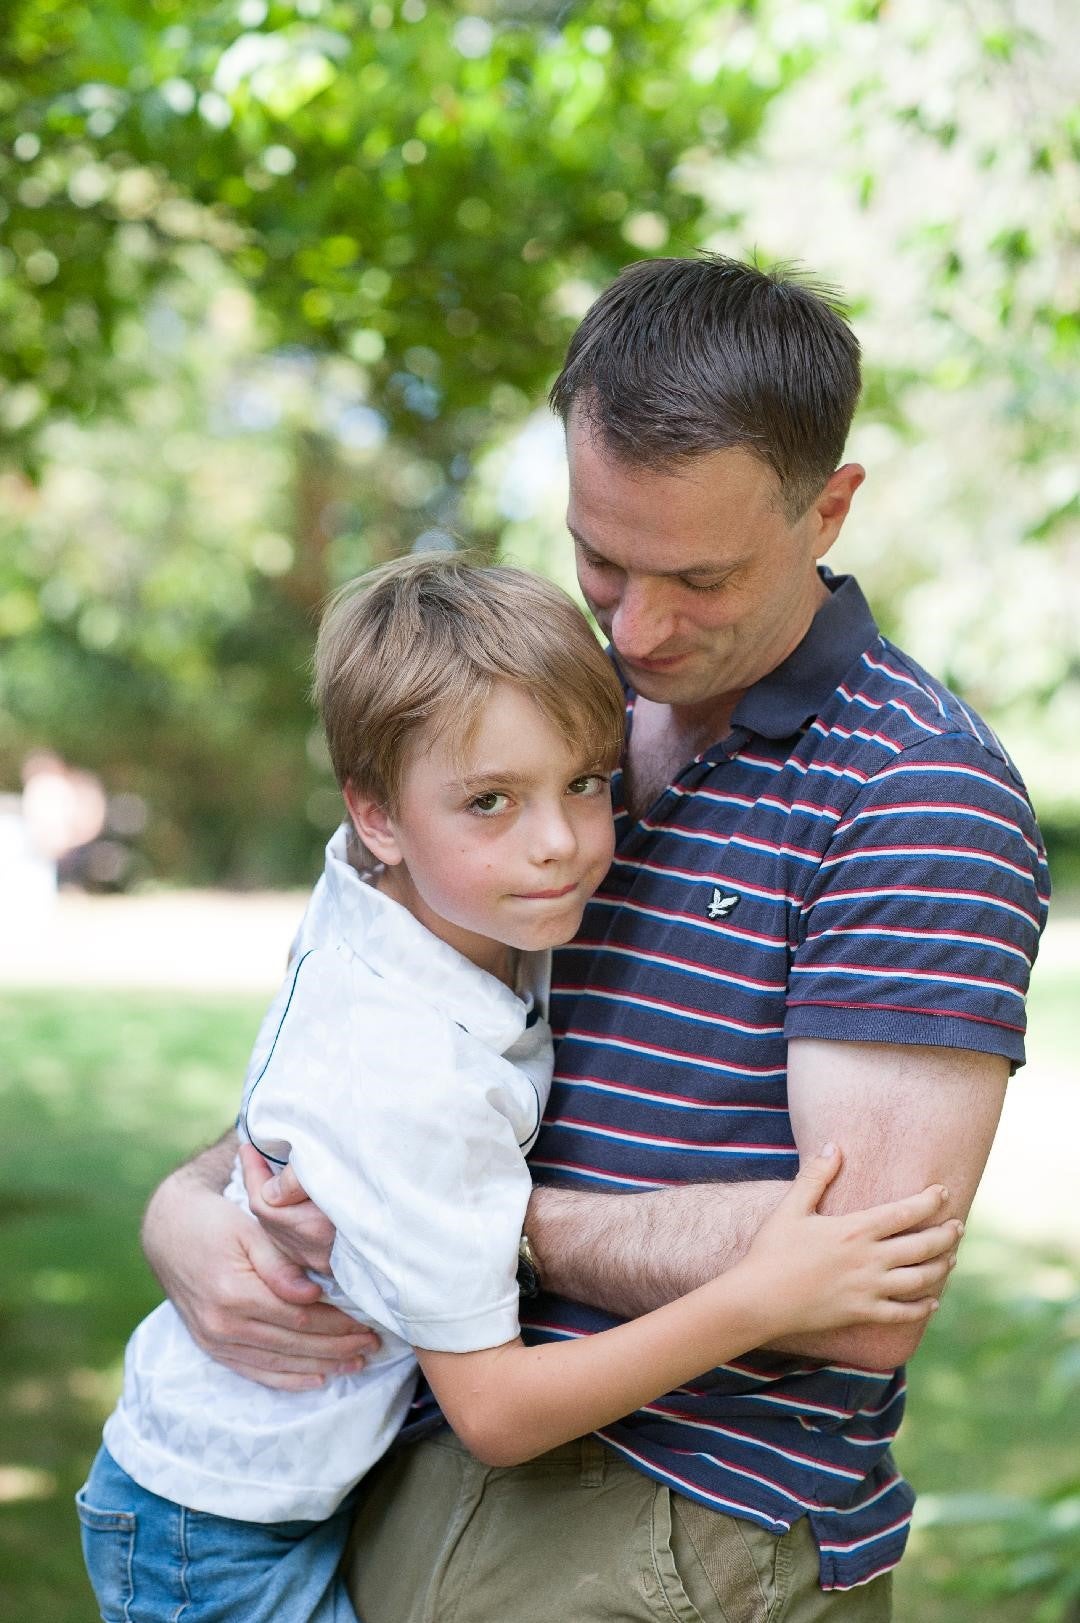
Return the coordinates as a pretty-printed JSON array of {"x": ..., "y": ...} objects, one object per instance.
[{"x": 901, "y": 1008}]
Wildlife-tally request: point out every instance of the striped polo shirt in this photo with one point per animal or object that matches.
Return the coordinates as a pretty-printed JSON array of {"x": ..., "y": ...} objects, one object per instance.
[{"x": 857, "y": 860}]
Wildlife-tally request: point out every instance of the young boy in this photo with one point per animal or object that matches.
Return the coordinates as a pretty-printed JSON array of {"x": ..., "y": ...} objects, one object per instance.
[{"x": 473, "y": 723}]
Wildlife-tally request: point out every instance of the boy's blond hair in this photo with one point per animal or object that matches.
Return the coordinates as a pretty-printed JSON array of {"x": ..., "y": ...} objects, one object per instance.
[{"x": 419, "y": 643}]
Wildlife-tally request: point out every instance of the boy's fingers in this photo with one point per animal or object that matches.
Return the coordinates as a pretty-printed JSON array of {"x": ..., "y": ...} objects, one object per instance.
[
  {"x": 906, "y": 1312},
  {"x": 914, "y": 1284},
  {"x": 909, "y": 1213},
  {"x": 814, "y": 1177},
  {"x": 941, "y": 1239}
]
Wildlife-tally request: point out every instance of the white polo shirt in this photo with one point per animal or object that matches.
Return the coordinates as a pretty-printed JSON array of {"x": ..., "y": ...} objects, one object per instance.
[{"x": 406, "y": 1086}]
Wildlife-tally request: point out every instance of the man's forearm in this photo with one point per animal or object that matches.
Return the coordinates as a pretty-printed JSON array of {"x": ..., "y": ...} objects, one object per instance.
[
  {"x": 208, "y": 1171},
  {"x": 629, "y": 1254}
]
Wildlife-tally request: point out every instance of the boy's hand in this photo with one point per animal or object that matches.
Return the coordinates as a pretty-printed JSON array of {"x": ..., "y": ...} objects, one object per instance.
[
  {"x": 857, "y": 1268},
  {"x": 297, "y": 1227}
]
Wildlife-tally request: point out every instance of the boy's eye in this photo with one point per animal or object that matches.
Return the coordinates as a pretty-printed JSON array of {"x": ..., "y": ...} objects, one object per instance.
[
  {"x": 489, "y": 804},
  {"x": 590, "y": 783}
]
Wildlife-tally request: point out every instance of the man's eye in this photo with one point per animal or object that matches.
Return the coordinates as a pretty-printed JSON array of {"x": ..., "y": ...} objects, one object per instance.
[
  {"x": 704, "y": 585},
  {"x": 489, "y": 805},
  {"x": 590, "y": 783}
]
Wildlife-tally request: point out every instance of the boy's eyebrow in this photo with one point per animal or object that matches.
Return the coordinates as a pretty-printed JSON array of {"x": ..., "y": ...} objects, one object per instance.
[
  {"x": 511, "y": 780},
  {"x": 495, "y": 775}
]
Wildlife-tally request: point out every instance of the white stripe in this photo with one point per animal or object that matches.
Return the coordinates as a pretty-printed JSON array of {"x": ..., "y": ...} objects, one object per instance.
[
  {"x": 596, "y": 1177},
  {"x": 691, "y": 1060},
  {"x": 951, "y": 852},
  {"x": 877, "y": 705},
  {"x": 621, "y": 1136},
  {"x": 925, "y": 894},
  {"x": 921, "y": 935},
  {"x": 666, "y": 1100},
  {"x": 887, "y": 972},
  {"x": 905, "y": 681},
  {"x": 696, "y": 1016},
  {"x": 952, "y": 769}
]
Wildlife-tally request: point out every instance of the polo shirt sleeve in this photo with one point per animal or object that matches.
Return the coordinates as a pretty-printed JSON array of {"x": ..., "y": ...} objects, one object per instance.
[
  {"x": 922, "y": 922},
  {"x": 390, "y": 1114}
]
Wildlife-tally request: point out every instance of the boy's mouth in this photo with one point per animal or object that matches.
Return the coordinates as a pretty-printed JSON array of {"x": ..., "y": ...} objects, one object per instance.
[{"x": 546, "y": 895}]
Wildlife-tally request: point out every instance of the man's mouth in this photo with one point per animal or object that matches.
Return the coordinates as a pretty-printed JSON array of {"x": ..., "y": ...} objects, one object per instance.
[{"x": 665, "y": 664}]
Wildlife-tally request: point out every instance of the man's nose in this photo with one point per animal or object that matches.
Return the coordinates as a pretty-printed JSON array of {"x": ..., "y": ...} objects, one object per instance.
[{"x": 640, "y": 624}]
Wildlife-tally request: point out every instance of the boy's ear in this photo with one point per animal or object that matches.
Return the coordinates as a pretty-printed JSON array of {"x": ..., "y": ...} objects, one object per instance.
[{"x": 373, "y": 824}]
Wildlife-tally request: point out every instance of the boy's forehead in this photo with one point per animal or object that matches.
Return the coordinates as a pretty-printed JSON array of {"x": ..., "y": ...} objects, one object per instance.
[{"x": 508, "y": 737}]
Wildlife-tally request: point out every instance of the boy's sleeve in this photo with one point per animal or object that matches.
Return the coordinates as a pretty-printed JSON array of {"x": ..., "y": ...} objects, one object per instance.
[{"x": 390, "y": 1115}]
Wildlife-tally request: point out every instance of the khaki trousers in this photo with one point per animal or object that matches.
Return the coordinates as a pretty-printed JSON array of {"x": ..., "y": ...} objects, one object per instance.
[{"x": 576, "y": 1536}]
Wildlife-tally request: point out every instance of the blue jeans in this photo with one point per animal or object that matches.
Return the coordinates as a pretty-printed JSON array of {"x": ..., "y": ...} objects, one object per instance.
[{"x": 151, "y": 1561}]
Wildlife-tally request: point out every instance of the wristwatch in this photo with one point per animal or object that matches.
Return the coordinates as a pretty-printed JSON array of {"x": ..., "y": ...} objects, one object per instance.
[{"x": 528, "y": 1269}]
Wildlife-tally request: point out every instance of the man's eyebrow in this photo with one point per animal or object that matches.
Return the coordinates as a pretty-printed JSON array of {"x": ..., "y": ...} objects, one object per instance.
[{"x": 710, "y": 568}]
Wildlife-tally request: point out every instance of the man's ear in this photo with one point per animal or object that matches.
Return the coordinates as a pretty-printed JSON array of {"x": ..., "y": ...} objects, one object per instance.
[
  {"x": 832, "y": 505},
  {"x": 374, "y": 825}
]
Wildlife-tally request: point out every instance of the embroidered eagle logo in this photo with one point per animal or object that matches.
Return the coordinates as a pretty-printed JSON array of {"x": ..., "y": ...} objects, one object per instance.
[{"x": 723, "y": 903}]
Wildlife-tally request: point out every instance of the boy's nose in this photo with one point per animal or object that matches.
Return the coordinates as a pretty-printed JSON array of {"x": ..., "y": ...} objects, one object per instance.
[{"x": 553, "y": 835}]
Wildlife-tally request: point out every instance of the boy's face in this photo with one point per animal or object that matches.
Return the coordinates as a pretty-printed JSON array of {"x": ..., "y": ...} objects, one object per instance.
[{"x": 501, "y": 849}]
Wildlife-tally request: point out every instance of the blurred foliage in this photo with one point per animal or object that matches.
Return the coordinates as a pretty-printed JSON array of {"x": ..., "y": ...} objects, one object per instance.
[
  {"x": 280, "y": 284},
  {"x": 272, "y": 276}
]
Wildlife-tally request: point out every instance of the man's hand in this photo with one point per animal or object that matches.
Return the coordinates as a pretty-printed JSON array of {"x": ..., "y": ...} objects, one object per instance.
[
  {"x": 294, "y": 1223},
  {"x": 244, "y": 1303}
]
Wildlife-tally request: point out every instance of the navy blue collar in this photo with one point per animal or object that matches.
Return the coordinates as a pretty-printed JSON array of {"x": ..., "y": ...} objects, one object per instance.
[{"x": 783, "y": 703}]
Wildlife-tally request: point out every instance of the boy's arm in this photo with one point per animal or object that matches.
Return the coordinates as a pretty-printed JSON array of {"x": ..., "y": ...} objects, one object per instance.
[
  {"x": 512, "y": 1402},
  {"x": 905, "y": 1116},
  {"x": 245, "y": 1304}
]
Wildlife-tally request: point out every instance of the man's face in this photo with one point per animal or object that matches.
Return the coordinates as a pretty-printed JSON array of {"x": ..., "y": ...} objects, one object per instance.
[{"x": 697, "y": 576}]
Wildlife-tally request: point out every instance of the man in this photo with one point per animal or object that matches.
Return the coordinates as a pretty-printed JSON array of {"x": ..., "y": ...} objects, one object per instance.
[{"x": 826, "y": 897}]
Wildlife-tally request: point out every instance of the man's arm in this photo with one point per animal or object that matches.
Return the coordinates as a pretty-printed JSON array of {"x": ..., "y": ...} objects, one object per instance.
[
  {"x": 904, "y": 1116},
  {"x": 243, "y": 1302}
]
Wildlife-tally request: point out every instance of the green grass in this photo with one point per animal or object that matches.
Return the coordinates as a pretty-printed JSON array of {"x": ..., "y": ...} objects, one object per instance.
[{"x": 100, "y": 1094}]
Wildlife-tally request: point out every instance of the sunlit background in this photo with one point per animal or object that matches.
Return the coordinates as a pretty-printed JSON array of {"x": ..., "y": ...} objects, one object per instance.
[{"x": 282, "y": 290}]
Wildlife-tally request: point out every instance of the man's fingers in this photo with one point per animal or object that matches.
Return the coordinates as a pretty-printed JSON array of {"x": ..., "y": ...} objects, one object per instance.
[
  {"x": 279, "y": 1381},
  {"x": 325, "y": 1328},
  {"x": 269, "y": 1361},
  {"x": 286, "y": 1279},
  {"x": 256, "y": 1169},
  {"x": 909, "y": 1213},
  {"x": 267, "y": 1185}
]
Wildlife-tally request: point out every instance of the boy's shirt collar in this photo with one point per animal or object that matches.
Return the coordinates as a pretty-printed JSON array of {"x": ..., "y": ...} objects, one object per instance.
[{"x": 386, "y": 937}]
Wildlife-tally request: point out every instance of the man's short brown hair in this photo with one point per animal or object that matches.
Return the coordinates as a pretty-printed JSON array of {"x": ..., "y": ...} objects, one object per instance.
[
  {"x": 679, "y": 357},
  {"x": 419, "y": 643}
]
